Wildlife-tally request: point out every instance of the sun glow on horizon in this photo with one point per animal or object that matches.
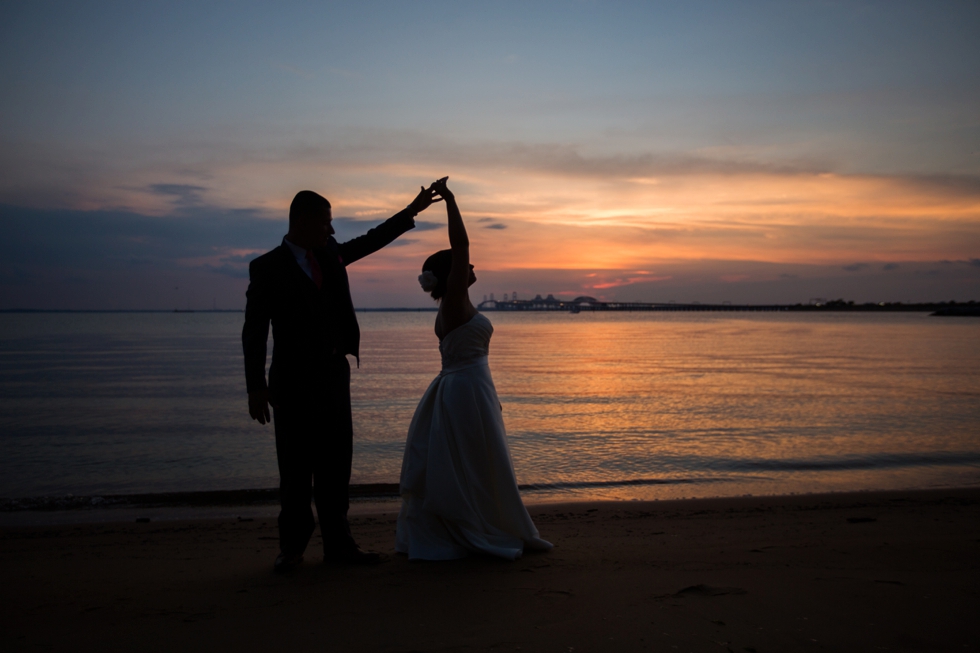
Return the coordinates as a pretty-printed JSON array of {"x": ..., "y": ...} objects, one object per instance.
[{"x": 545, "y": 221}]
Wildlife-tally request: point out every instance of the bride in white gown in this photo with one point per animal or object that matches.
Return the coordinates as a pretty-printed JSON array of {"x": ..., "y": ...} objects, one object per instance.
[{"x": 459, "y": 492}]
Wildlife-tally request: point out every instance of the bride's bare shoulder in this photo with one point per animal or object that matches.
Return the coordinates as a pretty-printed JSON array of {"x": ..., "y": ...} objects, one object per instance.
[{"x": 447, "y": 324}]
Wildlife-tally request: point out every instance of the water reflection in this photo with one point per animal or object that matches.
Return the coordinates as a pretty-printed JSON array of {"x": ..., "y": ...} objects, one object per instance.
[
  {"x": 593, "y": 400},
  {"x": 596, "y": 405}
]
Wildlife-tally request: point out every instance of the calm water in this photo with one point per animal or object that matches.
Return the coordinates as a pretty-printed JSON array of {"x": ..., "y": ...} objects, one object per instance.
[{"x": 615, "y": 405}]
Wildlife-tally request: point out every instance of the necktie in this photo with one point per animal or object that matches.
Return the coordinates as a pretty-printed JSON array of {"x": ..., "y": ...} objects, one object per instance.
[{"x": 317, "y": 274}]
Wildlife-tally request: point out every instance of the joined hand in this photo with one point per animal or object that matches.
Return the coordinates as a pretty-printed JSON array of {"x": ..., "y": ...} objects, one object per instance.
[
  {"x": 440, "y": 187},
  {"x": 425, "y": 198}
]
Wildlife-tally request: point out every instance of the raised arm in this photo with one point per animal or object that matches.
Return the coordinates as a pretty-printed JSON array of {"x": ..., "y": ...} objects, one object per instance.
[
  {"x": 387, "y": 231},
  {"x": 456, "y": 308}
]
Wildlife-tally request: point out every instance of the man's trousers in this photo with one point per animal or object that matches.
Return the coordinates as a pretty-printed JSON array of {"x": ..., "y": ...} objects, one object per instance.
[{"x": 314, "y": 445}]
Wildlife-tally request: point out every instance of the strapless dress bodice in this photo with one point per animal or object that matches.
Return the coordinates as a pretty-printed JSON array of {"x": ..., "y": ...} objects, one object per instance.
[{"x": 468, "y": 343}]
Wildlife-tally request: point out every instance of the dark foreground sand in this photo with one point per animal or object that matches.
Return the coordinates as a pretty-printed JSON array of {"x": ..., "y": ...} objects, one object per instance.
[{"x": 845, "y": 572}]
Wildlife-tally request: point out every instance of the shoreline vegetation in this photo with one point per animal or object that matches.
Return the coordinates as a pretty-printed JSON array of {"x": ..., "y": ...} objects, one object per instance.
[{"x": 860, "y": 571}]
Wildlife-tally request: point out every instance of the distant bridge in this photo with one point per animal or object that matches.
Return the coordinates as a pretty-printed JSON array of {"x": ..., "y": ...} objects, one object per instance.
[{"x": 585, "y": 304}]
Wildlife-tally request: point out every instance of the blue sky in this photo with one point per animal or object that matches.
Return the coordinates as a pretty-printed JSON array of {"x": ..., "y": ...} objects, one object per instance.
[{"x": 700, "y": 151}]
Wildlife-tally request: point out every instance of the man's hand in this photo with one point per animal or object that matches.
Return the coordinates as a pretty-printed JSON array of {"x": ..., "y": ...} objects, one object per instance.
[
  {"x": 425, "y": 198},
  {"x": 258, "y": 406}
]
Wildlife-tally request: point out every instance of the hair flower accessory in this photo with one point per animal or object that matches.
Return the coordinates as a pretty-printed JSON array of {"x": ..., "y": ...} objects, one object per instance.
[{"x": 428, "y": 281}]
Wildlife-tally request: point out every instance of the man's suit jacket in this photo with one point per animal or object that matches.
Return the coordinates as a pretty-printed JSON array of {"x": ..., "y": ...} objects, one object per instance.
[{"x": 309, "y": 324}]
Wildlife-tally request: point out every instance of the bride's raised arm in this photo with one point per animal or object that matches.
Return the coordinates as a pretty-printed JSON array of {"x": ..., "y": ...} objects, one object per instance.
[{"x": 456, "y": 308}]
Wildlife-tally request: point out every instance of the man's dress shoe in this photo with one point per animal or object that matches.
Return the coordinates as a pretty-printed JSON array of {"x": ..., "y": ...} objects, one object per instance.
[
  {"x": 287, "y": 561},
  {"x": 353, "y": 557}
]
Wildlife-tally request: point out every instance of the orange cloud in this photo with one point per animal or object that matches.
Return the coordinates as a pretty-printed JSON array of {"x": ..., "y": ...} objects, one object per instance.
[
  {"x": 581, "y": 224},
  {"x": 555, "y": 208}
]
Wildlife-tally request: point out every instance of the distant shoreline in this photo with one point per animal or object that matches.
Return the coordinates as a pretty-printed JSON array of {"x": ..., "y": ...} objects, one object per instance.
[
  {"x": 592, "y": 305},
  {"x": 970, "y": 308}
]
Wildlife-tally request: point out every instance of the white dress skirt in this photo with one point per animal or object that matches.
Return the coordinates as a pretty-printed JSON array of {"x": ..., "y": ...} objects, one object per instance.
[{"x": 458, "y": 488}]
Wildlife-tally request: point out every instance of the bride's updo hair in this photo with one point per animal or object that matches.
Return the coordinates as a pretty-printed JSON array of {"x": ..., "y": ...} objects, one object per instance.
[{"x": 439, "y": 264}]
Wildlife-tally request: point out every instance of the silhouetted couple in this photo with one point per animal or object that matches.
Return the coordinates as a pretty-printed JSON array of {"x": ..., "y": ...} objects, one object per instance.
[{"x": 459, "y": 491}]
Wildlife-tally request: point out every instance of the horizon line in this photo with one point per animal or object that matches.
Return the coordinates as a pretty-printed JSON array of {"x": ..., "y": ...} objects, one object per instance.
[{"x": 407, "y": 309}]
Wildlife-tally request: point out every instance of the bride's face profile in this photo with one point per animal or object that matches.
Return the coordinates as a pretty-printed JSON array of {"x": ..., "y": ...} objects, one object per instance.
[{"x": 472, "y": 275}]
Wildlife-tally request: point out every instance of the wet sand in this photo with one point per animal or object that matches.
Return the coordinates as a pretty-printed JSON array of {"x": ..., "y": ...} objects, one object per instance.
[{"x": 895, "y": 571}]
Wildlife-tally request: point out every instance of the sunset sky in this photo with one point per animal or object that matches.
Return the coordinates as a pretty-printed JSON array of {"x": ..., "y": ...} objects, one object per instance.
[{"x": 651, "y": 151}]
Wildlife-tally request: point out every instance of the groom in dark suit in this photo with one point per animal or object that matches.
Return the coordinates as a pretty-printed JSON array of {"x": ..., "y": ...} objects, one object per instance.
[{"x": 301, "y": 287}]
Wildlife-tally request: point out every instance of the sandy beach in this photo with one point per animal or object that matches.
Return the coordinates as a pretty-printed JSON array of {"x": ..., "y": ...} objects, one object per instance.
[{"x": 892, "y": 571}]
